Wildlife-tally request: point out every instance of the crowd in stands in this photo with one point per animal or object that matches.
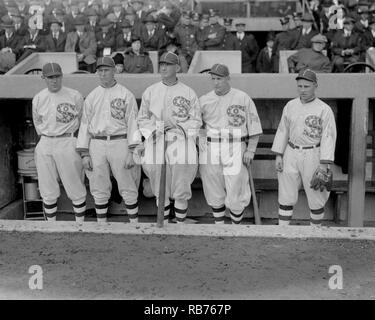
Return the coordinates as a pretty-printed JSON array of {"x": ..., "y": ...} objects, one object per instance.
[{"x": 329, "y": 35}]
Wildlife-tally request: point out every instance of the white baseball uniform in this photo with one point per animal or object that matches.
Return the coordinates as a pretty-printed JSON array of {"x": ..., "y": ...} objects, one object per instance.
[
  {"x": 56, "y": 118},
  {"x": 224, "y": 176},
  {"x": 109, "y": 132},
  {"x": 178, "y": 102},
  {"x": 304, "y": 125}
]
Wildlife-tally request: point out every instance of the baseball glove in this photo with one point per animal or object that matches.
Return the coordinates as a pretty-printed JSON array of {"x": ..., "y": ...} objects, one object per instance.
[{"x": 322, "y": 179}]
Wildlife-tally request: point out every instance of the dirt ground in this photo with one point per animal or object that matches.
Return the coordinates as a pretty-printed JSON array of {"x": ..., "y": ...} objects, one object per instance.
[{"x": 110, "y": 266}]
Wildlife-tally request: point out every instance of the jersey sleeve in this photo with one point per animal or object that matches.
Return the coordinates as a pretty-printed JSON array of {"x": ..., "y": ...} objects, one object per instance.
[
  {"x": 134, "y": 135},
  {"x": 328, "y": 140},
  {"x": 254, "y": 126},
  {"x": 282, "y": 134},
  {"x": 145, "y": 119},
  {"x": 84, "y": 138},
  {"x": 79, "y": 105},
  {"x": 36, "y": 118}
]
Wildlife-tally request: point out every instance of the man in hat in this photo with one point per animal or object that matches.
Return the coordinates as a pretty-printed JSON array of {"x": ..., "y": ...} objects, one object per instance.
[
  {"x": 213, "y": 34},
  {"x": 31, "y": 42},
  {"x": 168, "y": 16},
  {"x": 83, "y": 43},
  {"x": 124, "y": 39},
  {"x": 104, "y": 9},
  {"x": 346, "y": 46},
  {"x": 137, "y": 5},
  {"x": 361, "y": 25},
  {"x": 74, "y": 13},
  {"x": 107, "y": 138},
  {"x": 9, "y": 41},
  {"x": 118, "y": 11},
  {"x": 93, "y": 23},
  {"x": 105, "y": 39},
  {"x": 20, "y": 26},
  {"x": 170, "y": 108},
  {"x": 325, "y": 15},
  {"x": 56, "y": 38},
  {"x": 227, "y": 145},
  {"x": 186, "y": 35},
  {"x": 61, "y": 17},
  {"x": 311, "y": 58},
  {"x": 195, "y": 19},
  {"x": 264, "y": 60},
  {"x": 153, "y": 38},
  {"x": 137, "y": 25},
  {"x": 304, "y": 144},
  {"x": 23, "y": 7},
  {"x": 303, "y": 35},
  {"x": 57, "y": 112},
  {"x": 248, "y": 46},
  {"x": 369, "y": 35},
  {"x": 229, "y": 41},
  {"x": 136, "y": 60}
]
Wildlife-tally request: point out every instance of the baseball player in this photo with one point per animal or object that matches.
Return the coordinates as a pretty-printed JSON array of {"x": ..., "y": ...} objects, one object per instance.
[
  {"x": 170, "y": 106},
  {"x": 57, "y": 112},
  {"x": 304, "y": 141},
  {"x": 107, "y": 138},
  {"x": 227, "y": 145}
]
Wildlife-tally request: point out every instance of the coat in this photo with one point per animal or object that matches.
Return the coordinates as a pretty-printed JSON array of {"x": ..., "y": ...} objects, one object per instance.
[
  {"x": 121, "y": 43},
  {"x": 12, "y": 43},
  {"x": 264, "y": 62},
  {"x": 137, "y": 63},
  {"x": 156, "y": 42},
  {"x": 108, "y": 42},
  {"x": 249, "y": 52},
  {"x": 59, "y": 46},
  {"x": 340, "y": 42},
  {"x": 86, "y": 45},
  {"x": 38, "y": 41},
  {"x": 308, "y": 58},
  {"x": 186, "y": 36},
  {"x": 229, "y": 42},
  {"x": 303, "y": 41},
  {"x": 212, "y": 37}
]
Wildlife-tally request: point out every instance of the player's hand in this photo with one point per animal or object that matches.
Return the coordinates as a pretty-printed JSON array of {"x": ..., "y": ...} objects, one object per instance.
[
  {"x": 279, "y": 164},
  {"x": 169, "y": 124},
  {"x": 87, "y": 163},
  {"x": 247, "y": 157},
  {"x": 129, "y": 161}
]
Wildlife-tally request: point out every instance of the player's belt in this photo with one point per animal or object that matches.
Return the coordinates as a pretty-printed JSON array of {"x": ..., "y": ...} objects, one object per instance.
[
  {"x": 294, "y": 146},
  {"x": 229, "y": 139},
  {"x": 64, "y": 135},
  {"x": 114, "y": 137}
]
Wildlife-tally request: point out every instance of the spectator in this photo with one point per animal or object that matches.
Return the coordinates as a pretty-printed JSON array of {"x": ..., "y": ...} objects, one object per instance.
[
  {"x": 213, "y": 35},
  {"x": 153, "y": 39},
  {"x": 362, "y": 24},
  {"x": 119, "y": 62},
  {"x": 346, "y": 46},
  {"x": 195, "y": 19},
  {"x": 168, "y": 16},
  {"x": 31, "y": 42},
  {"x": 137, "y": 5},
  {"x": 9, "y": 41},
  {"x": 105, "y": 39},
  {"x": 118, "y": 11},
  {"x": 56, "y": 38},
  {"x": 203, "y": 23},
  {"x": 105, "y": 9},
  {"x": 23, "y": 8},
  {"x": 311, "y": 58},
  {"x": 324, "y": 16},
  {"x": 63, "y": 19},
  {"x": 114, "y": 24},
  {"x": 20, "y": 27},
  {"x": 186, "y": 35},
  {"x": 229, "y": 42},
  {"x": 264, "y": 61},
  {"x": 136, "y": 60},
  {"x": 369, "y": 35},
  {"x": 137, "y": 25},
  {"x": 304, "y": 34},
  {"x": 74, "y": 13},
  {"x": 248, "y": 46},
  {"x": 93, "y": 24},
  {"x": 84, "y": 44},
  {"x": 123, "y": 40}
]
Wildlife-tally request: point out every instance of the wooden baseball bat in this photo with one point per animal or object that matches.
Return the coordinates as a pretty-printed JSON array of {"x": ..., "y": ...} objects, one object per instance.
[
  {"x": 254, "y": 196},
  {"x": 162, "y": 184}
]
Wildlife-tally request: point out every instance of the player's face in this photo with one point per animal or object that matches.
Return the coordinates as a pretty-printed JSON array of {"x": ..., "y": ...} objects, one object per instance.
[
  {"x": 306, "y": 90},
  {"x": 167, "y": 71},
  {"x": 220, "y": 84},
  {"x": 54, "y": 83},
  {"x": 106, "y": 75}
]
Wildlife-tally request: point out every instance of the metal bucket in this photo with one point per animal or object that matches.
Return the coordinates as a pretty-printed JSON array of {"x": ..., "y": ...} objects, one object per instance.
[
  {"x": 32, "y": 190},
  {"x": 26, "y": 162}
]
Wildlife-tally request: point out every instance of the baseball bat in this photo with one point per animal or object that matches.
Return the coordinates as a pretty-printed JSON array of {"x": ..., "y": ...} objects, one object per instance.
[
  {"x": 254, "y": 196},
  {"x": 163, "y": 178}
]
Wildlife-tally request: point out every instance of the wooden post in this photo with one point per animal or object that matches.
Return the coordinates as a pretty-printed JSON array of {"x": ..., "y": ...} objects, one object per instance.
[{"x": 357, "y": 162}]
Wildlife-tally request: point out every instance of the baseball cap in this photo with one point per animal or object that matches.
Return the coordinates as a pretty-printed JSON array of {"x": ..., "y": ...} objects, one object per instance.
[
  {"x": 307, "y": 74},
  {"x": 51, "y": 69},
  {"x": 106, "y": 62},
  {"x": 220, "y": 70},
  {"x": 169, "y": 57}
]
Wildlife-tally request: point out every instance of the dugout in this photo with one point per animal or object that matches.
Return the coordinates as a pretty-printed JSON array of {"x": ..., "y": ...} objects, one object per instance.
[{"x": 350, "y": 95}]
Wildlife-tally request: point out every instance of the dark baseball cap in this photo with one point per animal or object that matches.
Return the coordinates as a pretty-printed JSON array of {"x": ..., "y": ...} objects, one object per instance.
[
  {"x": 307, "y": 74},
  {"x": 169, "y": 58},
  {"x": 220, "y": 70},
  {"x": 51, "y": 69},
  {"x": 106, "y": 62}
]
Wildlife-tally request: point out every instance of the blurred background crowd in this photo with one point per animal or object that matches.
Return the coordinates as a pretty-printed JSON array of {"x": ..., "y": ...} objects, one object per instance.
[{"x": 327, "y": 35}]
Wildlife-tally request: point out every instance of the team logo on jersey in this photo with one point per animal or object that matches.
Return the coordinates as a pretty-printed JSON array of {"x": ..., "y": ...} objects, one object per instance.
[
  {"x": 236, "y": 115},
  {"x": 118, "y": 109},
  {"x": 314, "y": 127},
  {"x": 182, "y": 107},
  {"x": 66, "y": 112}
]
